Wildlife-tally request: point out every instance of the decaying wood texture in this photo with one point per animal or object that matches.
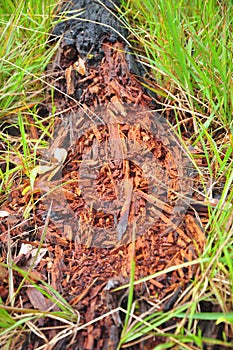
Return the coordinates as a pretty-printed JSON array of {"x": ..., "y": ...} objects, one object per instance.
[{"x": 94, "y": 69}]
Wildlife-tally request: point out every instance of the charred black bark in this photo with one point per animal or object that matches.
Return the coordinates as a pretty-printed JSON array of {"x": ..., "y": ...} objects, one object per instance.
[{"x": 88, "y": 25}]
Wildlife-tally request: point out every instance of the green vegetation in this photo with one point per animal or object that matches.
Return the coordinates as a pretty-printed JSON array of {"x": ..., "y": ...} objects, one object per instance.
[
  {"x": 24, "y": 34},
  {"x": 187, "y": 48},
  {"x": 24, "y": 55}
]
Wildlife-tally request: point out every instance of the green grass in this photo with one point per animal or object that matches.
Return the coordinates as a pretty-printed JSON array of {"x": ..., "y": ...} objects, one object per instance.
[
  {"x": 24, "y": 55},
  {"x": 187, "y": 48},
  {"x": 24, "y": 34}
]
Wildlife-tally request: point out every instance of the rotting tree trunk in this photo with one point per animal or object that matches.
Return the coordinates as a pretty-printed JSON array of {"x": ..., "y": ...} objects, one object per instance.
[
  {"x": 94, "y": 67},
  {"x": 94, "y": 49}
]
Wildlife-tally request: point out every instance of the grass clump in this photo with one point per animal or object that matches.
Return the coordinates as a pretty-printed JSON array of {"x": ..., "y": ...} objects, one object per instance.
[
  {"x": 189, "y": 49},
  {"x": 188, "y": 52},
  {"x": 24, "y": 55}
]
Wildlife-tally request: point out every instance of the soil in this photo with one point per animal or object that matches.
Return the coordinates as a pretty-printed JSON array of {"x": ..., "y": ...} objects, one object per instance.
[{"x": 109, "y": 206}]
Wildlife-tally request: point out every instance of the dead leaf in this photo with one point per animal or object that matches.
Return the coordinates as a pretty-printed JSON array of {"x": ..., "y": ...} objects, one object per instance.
[
  {"x": 57, "y": 161},
  {"x": 37, "y": 299},
  {"x": 4, "y": 213},
  {"x": 34, "y": 256},
  {"x": 79, "y": 66}
]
